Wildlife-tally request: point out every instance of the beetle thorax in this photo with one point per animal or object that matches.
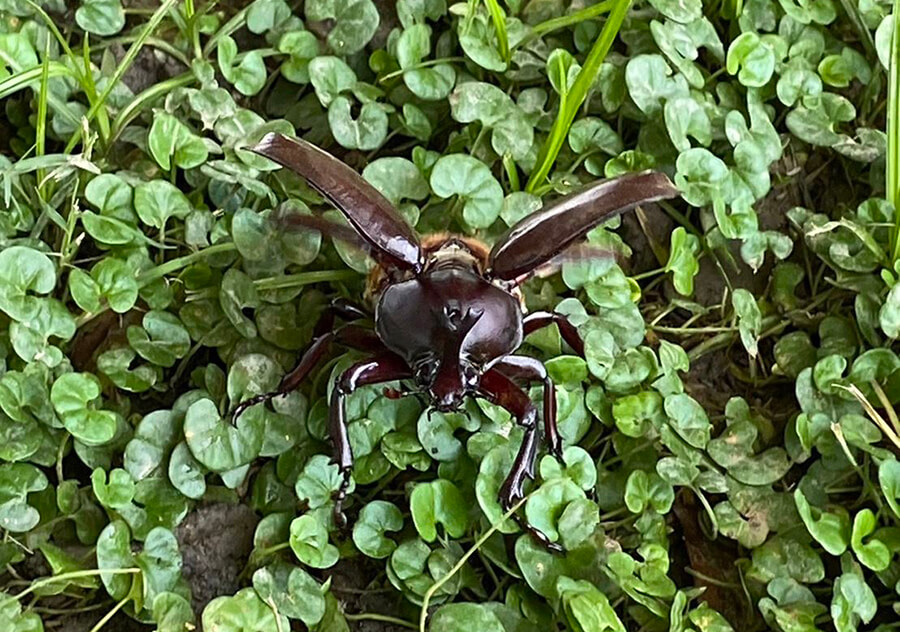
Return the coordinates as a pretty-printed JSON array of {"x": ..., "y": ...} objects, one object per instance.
[{"x": 449, "y": 323}]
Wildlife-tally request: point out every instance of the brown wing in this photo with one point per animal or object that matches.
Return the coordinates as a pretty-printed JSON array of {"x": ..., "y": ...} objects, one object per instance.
[
  {"x": 369, "y": 212},
  {"x": 538, "y": 238}
]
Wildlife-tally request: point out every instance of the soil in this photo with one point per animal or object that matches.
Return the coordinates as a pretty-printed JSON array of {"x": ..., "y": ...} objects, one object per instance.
[
  {"x": 352, "y": 584},
  {"x": 84, "y": 622},
  {"x": 215, "y": 542}
]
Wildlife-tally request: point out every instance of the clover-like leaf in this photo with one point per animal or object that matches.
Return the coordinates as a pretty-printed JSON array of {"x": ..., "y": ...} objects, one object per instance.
[
  {"x": 186, "y": 473},
  {"x": 172, "y": 143},
  {"x": 459, "y": 617},
  {"x": 544, "y": 506},
  {"x": 587, "y": 609},
  {"x": 172, "y": 612},
  {"x": 215, "y": 443},
  {"x": 23, "y": 271},
  {"x": 161, "y": 340},
  {"x": 682, "y": 261},
  {"x": 17, "y": 480},
  {"x": 577, "y": 466},
  {"x": 249, "y": 75},
  {"x": 366, "y": 132},
  {"x": 242, "y": 612},
  {"x": 160, "y": 563},
  {"x": 309, "y": 541},
  {"x": 688, "y": 419},
  {"x": 870, "y": 551},
  {"x": 438, "y": 502},
  {"x": 375, "y": 519},
  {"x": 355, "y": 22},
  {"x": 72, "y": 396},
  {"x": 330, "y": 77},
  {"x": 114, "y": 553},
  {"x": 428, "y": 83},
  {"x": 293, "y": 592},
  {"x": 319, "y": 480},
  {"x": 469, "y": 178},
  {"x": 156, "y": 201},
  {"x": 749, "y": 319},
  {"x": 117, "y": 492},
  {"x": 101, "y": 17},
  {"x": 644, "y": 490},
  {"x": 831, "y": 530}
]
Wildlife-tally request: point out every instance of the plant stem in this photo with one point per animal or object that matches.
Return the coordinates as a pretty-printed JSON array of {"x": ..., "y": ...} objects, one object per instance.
[
  {"x": 182, "y": 262},
  {"x": 91, "y": 572},
  {"x": 304, "y": 278},
  {"x": 109, "y": 615},
  {"x": 424, "y": 64},
  {"x": 588, "y": 13},
  {"x": 423, "y": 615},
  {"x": 383, "y": 618}
]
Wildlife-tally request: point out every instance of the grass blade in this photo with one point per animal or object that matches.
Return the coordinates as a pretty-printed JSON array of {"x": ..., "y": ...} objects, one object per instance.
[
  {"x": 499, "y": 18},
  {"x": 577, "y": 93},
  {"x": 123, "y": 67},
  {"x": 892, "y": 163}
]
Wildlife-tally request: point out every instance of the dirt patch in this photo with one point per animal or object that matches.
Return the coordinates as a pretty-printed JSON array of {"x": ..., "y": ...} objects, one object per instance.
[
  {"x": 713, "y": 563},
  {"x": 83, "y": 622},
  {"x": 354, "y": 581},
  {"x": 215, "y": 541}
]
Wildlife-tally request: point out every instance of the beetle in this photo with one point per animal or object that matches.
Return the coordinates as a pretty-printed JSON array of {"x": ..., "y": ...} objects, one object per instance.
[{"x": 448, "y": 312}]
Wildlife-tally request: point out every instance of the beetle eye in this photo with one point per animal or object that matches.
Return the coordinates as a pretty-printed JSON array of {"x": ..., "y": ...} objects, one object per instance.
[
  {"x": 424, "y": 372},
  {"x": 471, "y": 375}
]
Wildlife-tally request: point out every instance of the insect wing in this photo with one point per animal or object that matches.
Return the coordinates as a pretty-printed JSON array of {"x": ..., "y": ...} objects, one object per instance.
[
  {"x": 540, "y": 237},
  {"x": 369, "y": 212}
]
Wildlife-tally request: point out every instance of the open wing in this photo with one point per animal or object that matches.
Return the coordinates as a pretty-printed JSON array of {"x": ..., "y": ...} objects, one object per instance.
[
  {"x": 540, "y": 237},
  {"x": 369, "y": 212}
]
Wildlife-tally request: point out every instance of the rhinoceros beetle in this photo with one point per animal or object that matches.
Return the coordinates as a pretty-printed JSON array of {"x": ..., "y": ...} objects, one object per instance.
[{"x": 448, "y": 312}]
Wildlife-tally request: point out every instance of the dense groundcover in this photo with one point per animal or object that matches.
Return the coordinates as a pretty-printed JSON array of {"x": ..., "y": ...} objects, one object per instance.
[{"x": 731, "y": 436}]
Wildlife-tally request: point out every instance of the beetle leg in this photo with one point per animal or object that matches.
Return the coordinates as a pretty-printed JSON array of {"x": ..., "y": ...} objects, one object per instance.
[
  {"x": 385, "y": 367},
  {"x": 538, "y": 320},
  {"x": 532, "y": 369},
  {"x": 349, "y": 335},
  {"x": 501, "y": 390},
  {"x": 338, "y": 308}
]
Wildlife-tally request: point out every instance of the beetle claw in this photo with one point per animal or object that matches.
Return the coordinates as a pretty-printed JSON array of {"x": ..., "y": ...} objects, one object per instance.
[{"x": 340, "y": 518}]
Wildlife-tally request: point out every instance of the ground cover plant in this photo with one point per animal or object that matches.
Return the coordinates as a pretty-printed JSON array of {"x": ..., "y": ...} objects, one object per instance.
[{"x": 731, "y": 434}]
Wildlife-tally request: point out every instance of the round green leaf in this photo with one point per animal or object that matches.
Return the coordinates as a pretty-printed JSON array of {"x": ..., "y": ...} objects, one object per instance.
[
  {"x": 469, "y": 178},
  {"x": 156, "y": 201},
  {"x": 72, "y": 395},
  {"x": 242, "y": 612},
  {"x": 215, "y": 443},
  {"x": 17, "y": 480},
  {"x": 374, "y": 520},
  {"x": 292, "y": 590},
  {"x": 439, "y": 501},
  {"x": 366, "y": 132},
  {"x": 309, "y": 541},
  {"x": 101, "y": 17},
  {"x": 23, "y": 271}
]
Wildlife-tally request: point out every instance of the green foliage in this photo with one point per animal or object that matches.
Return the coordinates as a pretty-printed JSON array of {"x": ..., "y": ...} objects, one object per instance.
[{"x": 735, "y": 408}]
